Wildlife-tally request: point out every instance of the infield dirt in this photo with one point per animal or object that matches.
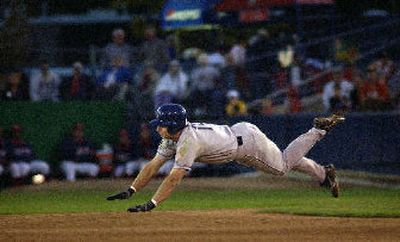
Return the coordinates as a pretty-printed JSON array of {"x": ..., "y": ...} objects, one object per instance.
[
  {"x": 221, "y": 225},
  {"x": 202, "y": 225}
]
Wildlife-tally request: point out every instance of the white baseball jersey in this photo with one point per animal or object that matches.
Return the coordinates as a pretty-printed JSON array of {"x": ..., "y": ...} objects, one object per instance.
[
  {"x": 206, "y": 143},
  {"x": 210, "y": 143}
]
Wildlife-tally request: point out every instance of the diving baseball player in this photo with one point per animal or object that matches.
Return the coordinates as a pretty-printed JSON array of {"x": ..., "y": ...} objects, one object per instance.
[{"x": 209, "y": 143}]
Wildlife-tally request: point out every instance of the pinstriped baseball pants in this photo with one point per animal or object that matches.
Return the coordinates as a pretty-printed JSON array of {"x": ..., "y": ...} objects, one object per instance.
[{"x": 260, "y": 152}]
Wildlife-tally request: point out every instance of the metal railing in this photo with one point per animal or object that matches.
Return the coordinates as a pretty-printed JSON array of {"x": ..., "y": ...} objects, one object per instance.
[{"x": 368, "y": 49}]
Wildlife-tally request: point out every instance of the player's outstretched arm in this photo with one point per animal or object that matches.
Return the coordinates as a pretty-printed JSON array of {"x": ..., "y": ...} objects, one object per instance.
[
  {"x": 145, "y": 175},
  {"x": 163, "y": 192},
  {"x": 148, "y": 171}
]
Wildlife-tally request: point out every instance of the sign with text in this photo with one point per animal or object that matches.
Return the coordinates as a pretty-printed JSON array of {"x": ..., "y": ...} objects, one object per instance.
[{"x": 183, "y": 15}]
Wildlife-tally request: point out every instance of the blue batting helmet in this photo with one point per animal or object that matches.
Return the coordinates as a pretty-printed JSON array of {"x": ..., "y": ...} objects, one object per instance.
[{"x": 173, "y": 116}]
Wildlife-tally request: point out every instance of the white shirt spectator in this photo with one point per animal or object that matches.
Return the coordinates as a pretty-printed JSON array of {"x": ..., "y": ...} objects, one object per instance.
[
  {"x": 295, "y": 75},
  {"x": 204, "y": 78},
  {"x": 117, "y": 49},
  {"x": 176, "y": 85},
  {"x": 217, "y": 59},
  {"x": 238, "y": 53},
  {"x": 329, "y": 91},
  {"x": 44, "y": 86},
  {"x": 112, "y": 51}
]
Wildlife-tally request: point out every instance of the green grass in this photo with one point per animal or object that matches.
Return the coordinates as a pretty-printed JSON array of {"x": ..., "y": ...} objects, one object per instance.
[{"x": 358, "y": 202}]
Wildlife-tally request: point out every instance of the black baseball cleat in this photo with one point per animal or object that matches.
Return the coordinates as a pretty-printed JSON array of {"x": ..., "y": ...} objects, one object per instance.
[
  {"x": 328, "y": 123},
  {"x": 330, "y": 180}
]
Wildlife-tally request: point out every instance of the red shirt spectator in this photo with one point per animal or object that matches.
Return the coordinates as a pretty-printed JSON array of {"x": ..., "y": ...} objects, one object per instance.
[
  {"x": 294, "y": 101},
  {"x": 375, "y": 88},
  {"x": 374, "y": 93},
  {"x": 382, "y": 89}
]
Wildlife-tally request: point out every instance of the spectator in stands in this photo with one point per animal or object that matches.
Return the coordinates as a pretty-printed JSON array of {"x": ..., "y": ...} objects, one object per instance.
[
  {"x": 216, "y": 58},
  {"x": 289, "y": 72},
  {"x": 228, "y": 74},
  {"x": 154, "y": 51},
  {"x": 337, "y": 103},
  {"x": 172, "y": 86},
  {"x": 345, "y": 53},
  {"x": 148, "y": 80},
  {"x": 78, "y": 155},
  {"x": 358, "y": 81},
  {"x": 203, "y": 80},
  {"x": 267, "y": 107},
  {"x": 16, "y": 88},
  {"x": 218, "y": 100},
  {"x": 261, "y": 107},
  {"x": 3, "y": 152},
  {"x": 293, "y": 101},
  {"x": 286, "y": 56},
  {"x": 113, "y": 83},
  {"x": 235, "y": 106},
  {"x": 117, "y": 49},
  {"x": 384, "y": 65},
  {"x": 172, "y": 50},
  {"x": 261, "y": 61},
  {"x": 78, "y": 86},
  {"x": 296, "y": 72},
  {"x": 340, "y": 51},
  {"x": 22, "y": 158},
  {"x": 329, "y": 89},
  {"x": 44, "y": 85},
  {"x": 374, "y": 93},
  {"x": 124, "y": 163},
  {"x": 238, "y": 53},
  {"x": 237, "y": 57}
]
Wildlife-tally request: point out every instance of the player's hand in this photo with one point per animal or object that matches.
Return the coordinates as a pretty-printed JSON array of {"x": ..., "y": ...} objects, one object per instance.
[
  {"x": 122, "y": 195},
  {"x": 142, "y": 208}
]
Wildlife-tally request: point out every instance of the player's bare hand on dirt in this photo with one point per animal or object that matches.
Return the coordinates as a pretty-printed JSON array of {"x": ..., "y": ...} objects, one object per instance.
[
  {"x": 122, "y": 195},
  {"x": 142, "y": 208}
]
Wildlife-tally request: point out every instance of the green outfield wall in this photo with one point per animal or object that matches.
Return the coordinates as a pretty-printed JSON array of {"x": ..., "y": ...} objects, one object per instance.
[{"x": 45, "y": 123}]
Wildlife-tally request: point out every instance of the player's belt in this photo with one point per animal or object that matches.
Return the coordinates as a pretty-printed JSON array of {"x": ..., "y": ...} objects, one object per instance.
[{"x": 239, "y": 140}]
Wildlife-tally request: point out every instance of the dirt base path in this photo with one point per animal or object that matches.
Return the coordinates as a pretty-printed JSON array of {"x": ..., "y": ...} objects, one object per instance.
[{"x": 221, "y": 225}]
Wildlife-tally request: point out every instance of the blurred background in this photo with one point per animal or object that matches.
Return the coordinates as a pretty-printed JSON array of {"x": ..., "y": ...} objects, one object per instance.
[{"x": 79, "y": 80}]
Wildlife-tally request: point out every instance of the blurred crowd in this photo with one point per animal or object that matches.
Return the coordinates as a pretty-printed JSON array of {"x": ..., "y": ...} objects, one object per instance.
[
  {"x": 356, "y": 90},
  {"x": 221, "y": 81},
  {"x": 158, "y": 79}
]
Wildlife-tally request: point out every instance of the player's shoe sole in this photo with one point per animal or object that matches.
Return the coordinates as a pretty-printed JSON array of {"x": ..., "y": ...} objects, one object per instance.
[
  {"x": 331, "y": 180},
  {"x": 328, "y": 123}
]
